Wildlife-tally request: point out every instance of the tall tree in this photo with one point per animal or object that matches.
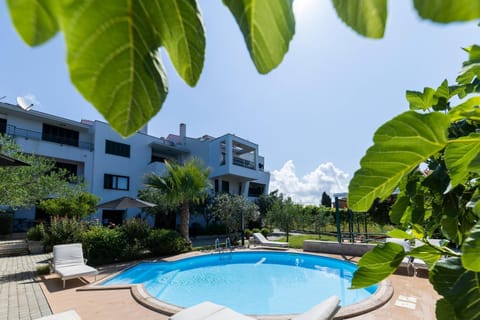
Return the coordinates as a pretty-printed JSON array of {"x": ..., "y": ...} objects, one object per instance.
[
  {"x": 72, "y": 202},
  {"x": 326, "y": 200},
  {"x": 230, "y": 209},
  {"x": 24, "y": 186},
  {"x": 182, "y": 185},
  {"x": 284, "y": 214}
]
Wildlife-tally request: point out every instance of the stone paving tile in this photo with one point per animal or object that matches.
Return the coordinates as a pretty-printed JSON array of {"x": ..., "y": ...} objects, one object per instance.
[{"x": 20, "y": 295}]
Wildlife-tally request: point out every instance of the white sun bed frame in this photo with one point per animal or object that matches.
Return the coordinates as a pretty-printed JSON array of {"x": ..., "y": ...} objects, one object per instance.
[
  {"x": 258, "y": 237},
  {"x": 68, "y": 262}
]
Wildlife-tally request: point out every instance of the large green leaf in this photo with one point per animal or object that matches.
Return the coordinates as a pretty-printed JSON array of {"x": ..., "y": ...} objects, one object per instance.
[
  {"x": 427, "y": 253},
  {"x": 180, "y": 28},
  {"x": 458, "y": 286},
  {"x": 448, "y": 10},
  {"x": 444, "y": 310},
  {"x": 377, "y": 264},
  {"x": 461, "y": 157},
  {"x": 35, "y": 21},
  {"x": 421, "y": 100},
  {"x": 400, "y": 145},
  {"x": 469, "y": 109},
  {"x": 267, "y": 27},
  {"x": 112, "y": 56},
  {"x": 471, "y": 250},
  {"x": 367, "y": 17}
]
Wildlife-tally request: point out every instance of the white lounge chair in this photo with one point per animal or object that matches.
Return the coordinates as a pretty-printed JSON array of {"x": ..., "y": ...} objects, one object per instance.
[
  {"x": 66, "y": 315},
  {"x": 267, "y": 243},
  {"x": 325, "y": 310},
  {"x": 210, "y": 311},
  {"x": 68, "y": 262}
]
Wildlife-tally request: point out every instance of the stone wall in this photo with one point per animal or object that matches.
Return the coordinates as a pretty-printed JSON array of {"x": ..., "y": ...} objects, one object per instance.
[{"x": 349, "y": 249}]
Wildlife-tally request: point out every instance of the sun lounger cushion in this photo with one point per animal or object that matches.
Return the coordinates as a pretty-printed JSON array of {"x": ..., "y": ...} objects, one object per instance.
[
  {"x": 325, "y": 310},
  {"x": 68, "y": 262},
  {"x": 66, "y": 315},
  {"x": 208, "y": 311}
]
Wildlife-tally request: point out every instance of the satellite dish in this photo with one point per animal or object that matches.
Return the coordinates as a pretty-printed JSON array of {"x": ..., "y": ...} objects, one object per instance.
[{"x": 24, "y": 103}]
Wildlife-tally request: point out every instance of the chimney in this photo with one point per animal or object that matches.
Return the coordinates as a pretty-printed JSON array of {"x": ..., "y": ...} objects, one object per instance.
[{"x": 183, "y": 133}]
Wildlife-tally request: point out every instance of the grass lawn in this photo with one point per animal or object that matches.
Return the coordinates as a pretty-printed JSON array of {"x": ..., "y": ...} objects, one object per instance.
[{"x": 296, "y": 241}]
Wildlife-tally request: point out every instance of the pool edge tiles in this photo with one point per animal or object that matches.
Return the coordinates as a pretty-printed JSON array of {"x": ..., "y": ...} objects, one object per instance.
[{"x": 375, "y": 300}]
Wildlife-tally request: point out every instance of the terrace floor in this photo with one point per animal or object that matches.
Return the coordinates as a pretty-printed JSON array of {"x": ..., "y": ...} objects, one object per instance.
[{"x": 413, "y": 298}]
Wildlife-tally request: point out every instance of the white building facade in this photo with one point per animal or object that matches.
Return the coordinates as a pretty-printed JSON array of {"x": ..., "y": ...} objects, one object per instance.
[{"x": 113, "y": 166}]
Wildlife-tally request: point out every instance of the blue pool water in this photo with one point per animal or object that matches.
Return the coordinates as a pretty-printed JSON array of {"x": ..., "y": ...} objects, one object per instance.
[{"x": 248, "y": 282}]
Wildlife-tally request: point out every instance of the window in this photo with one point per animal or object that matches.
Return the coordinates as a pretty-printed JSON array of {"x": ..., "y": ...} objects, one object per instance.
[
  {"x": 225, "y": 186},
  {"x": 216, "y": 185},
  {"x": 256, "y": 189},
  {"x": 59, "y": 135},
  {"x": 117, "y": 148},
  {"x": 114, "y": 182},
  {"x": 3, "y": 126}
]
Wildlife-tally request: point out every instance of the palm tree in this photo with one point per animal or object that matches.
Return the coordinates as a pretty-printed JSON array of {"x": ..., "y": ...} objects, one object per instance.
[{"x": 182, "y": 186}]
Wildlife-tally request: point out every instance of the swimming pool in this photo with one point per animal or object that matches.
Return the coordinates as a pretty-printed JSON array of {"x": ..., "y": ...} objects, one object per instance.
[{"x": 262, "y": 283}]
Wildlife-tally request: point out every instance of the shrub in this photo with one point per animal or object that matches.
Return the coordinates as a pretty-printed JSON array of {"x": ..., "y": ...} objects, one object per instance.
[
  {"x": 135, "y": 231},
  {"x": 248, "y": 233},
  {"x": 103, "y": 245},
  {"x": 43, "y": 269},
  {"x": 36, "y": 233},
  {"x": 265, "y": 232},
  {"x": 255, "y": 230},
  {"x": 63, "y": 230},
  {"x": 166, "y": 242}
]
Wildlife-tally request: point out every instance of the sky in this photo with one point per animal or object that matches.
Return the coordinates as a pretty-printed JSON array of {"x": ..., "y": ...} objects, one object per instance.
[{"x": 313, "y": 117}]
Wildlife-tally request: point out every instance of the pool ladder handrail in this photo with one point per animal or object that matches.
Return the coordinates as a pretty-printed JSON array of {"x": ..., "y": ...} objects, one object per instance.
[{"x": 218, "y": 248}]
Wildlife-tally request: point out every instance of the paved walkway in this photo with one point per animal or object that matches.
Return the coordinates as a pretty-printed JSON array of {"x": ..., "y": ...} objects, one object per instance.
[{"x": 21, "y": 297}]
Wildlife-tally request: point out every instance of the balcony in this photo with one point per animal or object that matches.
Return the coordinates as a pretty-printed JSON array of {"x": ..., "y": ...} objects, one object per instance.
[
  {"x": 14, "y": 132},
  {"x": 244, "y": 163}
]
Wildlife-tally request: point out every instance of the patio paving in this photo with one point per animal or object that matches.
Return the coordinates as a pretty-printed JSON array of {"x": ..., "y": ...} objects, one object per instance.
[{"x": 22, "y": 297}]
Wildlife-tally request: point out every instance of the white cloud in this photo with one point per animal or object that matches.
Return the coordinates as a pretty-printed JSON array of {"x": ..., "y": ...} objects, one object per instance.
[{"x": 308, "y": 189}]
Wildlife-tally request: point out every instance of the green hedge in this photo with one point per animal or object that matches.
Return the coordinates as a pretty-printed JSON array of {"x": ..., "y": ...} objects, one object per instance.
[
  {"x": 166, "y": 242},
  {"x": 103, "y": 245}
]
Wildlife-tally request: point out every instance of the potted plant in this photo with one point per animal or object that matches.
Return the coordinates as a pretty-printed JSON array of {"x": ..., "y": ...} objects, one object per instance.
[{"x": 35, "y": 236}]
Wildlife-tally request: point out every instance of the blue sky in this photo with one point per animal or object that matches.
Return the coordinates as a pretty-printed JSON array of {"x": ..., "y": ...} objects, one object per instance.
[{"x": 313, "y": 117}]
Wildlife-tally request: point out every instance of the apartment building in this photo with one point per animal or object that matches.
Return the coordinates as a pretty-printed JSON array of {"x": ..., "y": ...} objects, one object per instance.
[{"x": 113, "y": 166}]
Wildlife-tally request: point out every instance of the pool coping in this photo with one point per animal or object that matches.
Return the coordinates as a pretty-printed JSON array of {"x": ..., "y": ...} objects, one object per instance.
[{"x": 381, "y": 296}]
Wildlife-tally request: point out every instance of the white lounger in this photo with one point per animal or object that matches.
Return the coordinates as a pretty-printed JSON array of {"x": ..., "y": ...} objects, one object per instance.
[
  {"x": 210, "y": 311},
  {"x": 66, "y": 315},
  {"x": 68, "y": 262},
  {"x": 267, "y": 243}
]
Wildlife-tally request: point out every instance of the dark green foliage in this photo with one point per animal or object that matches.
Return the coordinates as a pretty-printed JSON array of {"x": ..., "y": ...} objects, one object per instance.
[
  {"x": 36, "y": 233},
  {"x": 135, "y": 231},
  {"x": 326, "y": 200},
  {"x": 43, "y": 269},
  {"x": 166, "y": 242},
  {"x": 63, "y": 230},
  {"x": 102, "y": 245},
  {"x": 265, "y": 232}
]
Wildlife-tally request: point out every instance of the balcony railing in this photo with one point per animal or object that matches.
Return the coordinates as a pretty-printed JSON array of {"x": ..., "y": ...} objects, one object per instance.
[
  {"x": 13, "y": 131},
  {"x": 244, "y": 163}
]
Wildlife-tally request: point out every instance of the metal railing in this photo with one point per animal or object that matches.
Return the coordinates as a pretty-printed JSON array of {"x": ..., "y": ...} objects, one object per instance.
[
  {"x": 14, "y": 131},
  {"x": 244, "y": 163}
]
